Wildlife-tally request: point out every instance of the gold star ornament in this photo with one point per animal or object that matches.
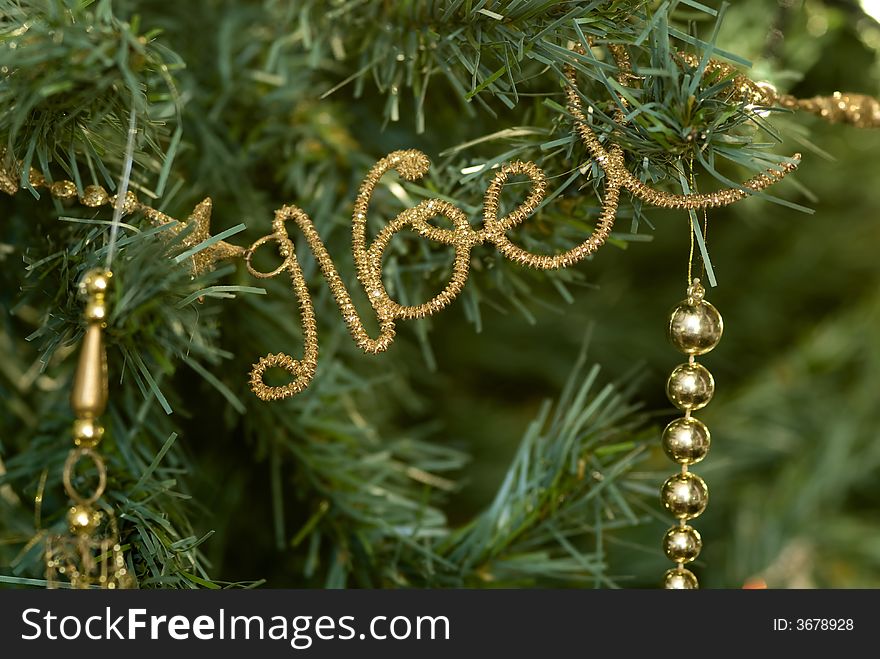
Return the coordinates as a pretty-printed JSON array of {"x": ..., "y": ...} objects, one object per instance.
[{"x": 198, "y": 231}]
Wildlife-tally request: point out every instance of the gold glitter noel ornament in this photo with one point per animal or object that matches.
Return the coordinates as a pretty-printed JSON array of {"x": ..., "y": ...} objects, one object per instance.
[{"x": 411, "y": 165}]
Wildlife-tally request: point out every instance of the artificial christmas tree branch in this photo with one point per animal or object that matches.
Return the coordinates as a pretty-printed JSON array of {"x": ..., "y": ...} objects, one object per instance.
[{"x": 352, "y": 483}]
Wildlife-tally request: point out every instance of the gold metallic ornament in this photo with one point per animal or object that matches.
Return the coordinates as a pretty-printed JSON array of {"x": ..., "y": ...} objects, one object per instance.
[
  {"x": 690, "y": 387},
  {"x": 91, "y": 555},
  {"x": 682, "y": 544},
  {"x": 412, "y": 165},
  {"x": 686, "y": 440},
  {"x": 88, "y": 398},
  {"x": 87, "y": 433},
  {"x": 695, "y": 327},
  {"x": 680, "y": 578},
  {"x": 95, "y": 196},
  {"x": 685, "y": 495},
  {"x": 611, "y": 161},
  {"x": 83, "y": 519}
]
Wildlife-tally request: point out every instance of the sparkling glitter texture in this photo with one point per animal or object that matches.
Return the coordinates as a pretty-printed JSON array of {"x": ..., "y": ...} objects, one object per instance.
[{"x": 856, "y": 110}]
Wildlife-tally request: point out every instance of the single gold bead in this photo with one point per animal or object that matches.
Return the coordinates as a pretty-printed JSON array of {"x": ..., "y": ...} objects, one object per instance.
[
  {"x": 95, "y": 283},
  {"x": 685, "y": 495},
  {"x": 83, "y": 519},
  {"x": 686, "y": 440},
  {"x": 682, "y": 544},
  {"x": 95, "y": 311},
  {"x": 129, "y": 205},
  {"x": 690, "y": 387},
  {"x": 94, "y": 196},
  {"x": 63, "y": 189},
  {"x": 695, "y": 327},
  {"x": 87, "y": 433},
  {"x": 36, "y": 179},
  {"x": 680, "y": 578}
]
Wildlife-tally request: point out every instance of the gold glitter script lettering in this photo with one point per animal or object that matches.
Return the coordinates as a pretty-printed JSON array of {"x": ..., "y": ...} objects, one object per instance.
[{"x": 411, "y": 165}]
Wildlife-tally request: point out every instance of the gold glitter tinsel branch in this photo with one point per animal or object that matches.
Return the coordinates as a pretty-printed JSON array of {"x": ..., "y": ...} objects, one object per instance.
[
  {"x": 859, "y": 110},
  {"x": 619, "y": 177}
]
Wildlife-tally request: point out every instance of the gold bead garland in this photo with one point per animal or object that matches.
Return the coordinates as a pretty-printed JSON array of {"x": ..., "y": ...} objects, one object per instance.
[
  {"x": 91, "y": 554},
  {"x": 695, "y": 327},
  {"x": 95, "y": 196}
]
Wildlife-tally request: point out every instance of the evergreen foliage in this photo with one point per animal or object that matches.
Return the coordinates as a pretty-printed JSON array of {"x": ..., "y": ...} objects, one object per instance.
[{"x": 402, "y": 470}]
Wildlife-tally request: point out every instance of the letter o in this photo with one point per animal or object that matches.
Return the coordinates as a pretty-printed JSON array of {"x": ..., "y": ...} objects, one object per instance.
[
  {"x": 394, "y": 623},
  {"x": 66, "y": 619}
]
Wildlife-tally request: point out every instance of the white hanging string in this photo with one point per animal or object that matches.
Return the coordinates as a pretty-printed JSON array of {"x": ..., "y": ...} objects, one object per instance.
[{"x": 122, "y": 191}]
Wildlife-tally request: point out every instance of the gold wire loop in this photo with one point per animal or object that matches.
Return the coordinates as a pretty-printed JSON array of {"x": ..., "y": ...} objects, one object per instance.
[
  {"x": 284, "y": 244},
  {"x": 73, "y": 459},
  {"x": 493, "y": 195}
]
